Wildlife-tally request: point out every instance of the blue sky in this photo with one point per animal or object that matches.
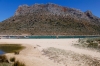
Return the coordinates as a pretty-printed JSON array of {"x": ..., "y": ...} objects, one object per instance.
[{"x": 8, "y": 7}]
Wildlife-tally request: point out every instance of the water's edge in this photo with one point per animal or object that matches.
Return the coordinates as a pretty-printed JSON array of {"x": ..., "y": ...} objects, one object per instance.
[{"x": 44, "y": 37}]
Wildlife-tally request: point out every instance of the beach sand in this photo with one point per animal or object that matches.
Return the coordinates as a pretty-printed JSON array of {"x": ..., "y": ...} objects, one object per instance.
[{"x": 32, "y": 55}]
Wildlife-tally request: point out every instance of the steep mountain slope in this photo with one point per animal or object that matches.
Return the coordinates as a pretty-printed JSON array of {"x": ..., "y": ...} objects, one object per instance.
[{"x": 50, "y": 19}]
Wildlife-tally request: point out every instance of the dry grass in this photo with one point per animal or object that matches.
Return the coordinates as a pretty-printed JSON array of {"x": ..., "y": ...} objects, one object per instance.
[
  {"x": 69, "y": 57},
  {"x": 4, "y": 61},
  {"x": 89, "y": 43},
  {"x": 5, "y": 64}
]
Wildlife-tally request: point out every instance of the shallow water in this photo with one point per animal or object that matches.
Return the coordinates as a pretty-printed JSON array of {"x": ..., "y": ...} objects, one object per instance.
[
  {"x": 46, "y": 37},
  {"x": 2, "y": 52}
]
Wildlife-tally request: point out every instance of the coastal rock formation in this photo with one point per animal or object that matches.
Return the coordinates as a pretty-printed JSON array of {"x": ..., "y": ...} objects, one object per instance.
[{"x": 51, "y": 19}]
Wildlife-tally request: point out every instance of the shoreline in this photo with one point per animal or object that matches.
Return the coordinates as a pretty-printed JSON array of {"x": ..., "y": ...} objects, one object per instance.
[{"x": 45, "y": 36}]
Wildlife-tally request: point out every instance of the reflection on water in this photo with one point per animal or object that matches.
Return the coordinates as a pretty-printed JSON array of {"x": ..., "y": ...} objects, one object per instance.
[{"x": 2, "y": 52}]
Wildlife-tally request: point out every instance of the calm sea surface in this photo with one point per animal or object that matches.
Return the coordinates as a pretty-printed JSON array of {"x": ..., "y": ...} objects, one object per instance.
[{"x": 47, "y": 37}]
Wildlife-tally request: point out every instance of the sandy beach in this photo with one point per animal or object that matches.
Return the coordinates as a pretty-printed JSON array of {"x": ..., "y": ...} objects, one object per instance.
[{"x": 33, "y": 54}]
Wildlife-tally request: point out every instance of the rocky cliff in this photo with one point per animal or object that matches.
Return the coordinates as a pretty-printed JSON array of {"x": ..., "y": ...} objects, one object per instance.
[{"x": 51, "y": 19}]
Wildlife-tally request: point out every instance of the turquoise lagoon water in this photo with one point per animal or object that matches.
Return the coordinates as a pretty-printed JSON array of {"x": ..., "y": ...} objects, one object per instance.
[{"x": 47, "y": 37}]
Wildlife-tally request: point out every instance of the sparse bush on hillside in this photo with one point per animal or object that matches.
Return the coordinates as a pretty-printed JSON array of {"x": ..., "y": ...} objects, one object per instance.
[{"x": 37, "y": 24}]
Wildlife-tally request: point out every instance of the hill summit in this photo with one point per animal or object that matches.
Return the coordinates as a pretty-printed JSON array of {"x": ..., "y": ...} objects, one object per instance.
[{"x": 50, "y": 19}]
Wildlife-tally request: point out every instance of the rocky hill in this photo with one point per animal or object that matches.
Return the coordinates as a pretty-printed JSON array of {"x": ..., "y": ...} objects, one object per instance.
[{"x": 50, "y": 19}]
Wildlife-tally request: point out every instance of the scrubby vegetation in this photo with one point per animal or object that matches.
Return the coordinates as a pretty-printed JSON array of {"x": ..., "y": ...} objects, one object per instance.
[
  {"x": 12, "y": 59},
  {"x": 10, "y": 48},
  {"x": 17, "y": 63},
  {"x": 9, "y": 62},
  {"x": 4, "y": 61},
  {"x": 5, "y": 64},
  {"x": 92, "y": 43},
  {"x": 69, "y": 57},
  {"x": 41, "y": 24},
  {"x": 3, "y": 58}
]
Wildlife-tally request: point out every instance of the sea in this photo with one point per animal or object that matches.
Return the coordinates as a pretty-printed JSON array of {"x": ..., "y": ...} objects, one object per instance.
[{"x": 46, "y": 37}]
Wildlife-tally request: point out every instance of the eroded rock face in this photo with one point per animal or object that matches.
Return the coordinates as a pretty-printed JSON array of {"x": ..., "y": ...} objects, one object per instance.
[
  {"x": 51, "y": 19},
  {"x": 22, "y": 10},
  {"x": 91, "y": 16},
  {"x": 55, "y": 9}
]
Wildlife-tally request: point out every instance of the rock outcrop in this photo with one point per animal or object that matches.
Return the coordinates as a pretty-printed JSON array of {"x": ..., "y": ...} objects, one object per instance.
[
  {"x": 55, "y": 9},
  {"x": 51, "y": 19}
]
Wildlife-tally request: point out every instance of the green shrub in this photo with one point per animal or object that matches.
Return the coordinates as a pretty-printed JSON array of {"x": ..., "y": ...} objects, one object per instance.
[
  {"x": 17, "y": 63},
  {"x": 12, "y": 59},
  {"x": 3, "y": 58},
  {"x": 16, "y": 52},
  {"x": 89, "y": 41},
  {"x": 93, "y": 45}
]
